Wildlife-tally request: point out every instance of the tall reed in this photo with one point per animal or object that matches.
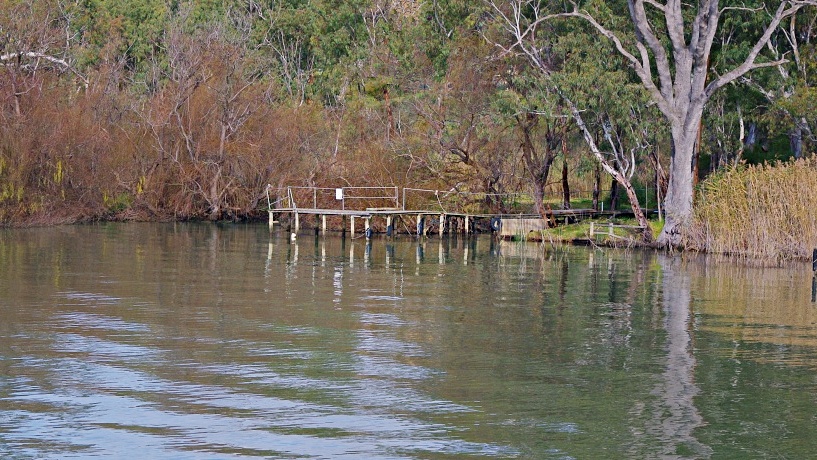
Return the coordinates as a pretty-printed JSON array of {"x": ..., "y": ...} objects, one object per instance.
[{"x": 766, "y": 211}]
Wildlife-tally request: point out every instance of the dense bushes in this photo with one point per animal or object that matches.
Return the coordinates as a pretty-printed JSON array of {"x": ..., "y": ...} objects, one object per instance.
[{"x": 765, "y": 211}]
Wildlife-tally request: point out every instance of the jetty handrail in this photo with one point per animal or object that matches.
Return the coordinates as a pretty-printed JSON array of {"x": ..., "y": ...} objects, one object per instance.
[
  {"x": 409, "y": 199},
  {"x": 272, "y": 205},
  {"x": 295, "y": 196},
  {"x": 441, "y": 195}
]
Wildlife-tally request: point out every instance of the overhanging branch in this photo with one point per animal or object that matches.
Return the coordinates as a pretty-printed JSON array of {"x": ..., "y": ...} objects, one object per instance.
[{"x": 54, "y": 60}]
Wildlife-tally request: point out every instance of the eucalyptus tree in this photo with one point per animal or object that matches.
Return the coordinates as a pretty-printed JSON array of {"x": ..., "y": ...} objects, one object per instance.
[
  {"x": 578, "y": 78},
  {"x": 668, "y": 45}
]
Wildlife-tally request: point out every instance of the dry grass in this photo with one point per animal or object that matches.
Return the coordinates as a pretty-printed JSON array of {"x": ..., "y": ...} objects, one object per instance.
[{"x": 764, "y": 211}]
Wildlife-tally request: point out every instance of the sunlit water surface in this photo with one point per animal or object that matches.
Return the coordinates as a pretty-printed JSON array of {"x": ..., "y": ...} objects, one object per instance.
[{"x": 203, "y": 341}]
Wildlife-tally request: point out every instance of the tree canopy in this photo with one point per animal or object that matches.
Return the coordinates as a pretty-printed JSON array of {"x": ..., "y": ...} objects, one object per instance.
[{"x": 157, "y": 109}]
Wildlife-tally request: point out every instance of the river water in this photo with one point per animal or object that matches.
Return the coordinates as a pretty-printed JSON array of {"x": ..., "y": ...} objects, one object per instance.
[{"x": 204, "y": 341}]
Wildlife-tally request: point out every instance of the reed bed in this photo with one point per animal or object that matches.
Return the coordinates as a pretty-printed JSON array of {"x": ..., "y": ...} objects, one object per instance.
[{"x": 766, "y": 211}]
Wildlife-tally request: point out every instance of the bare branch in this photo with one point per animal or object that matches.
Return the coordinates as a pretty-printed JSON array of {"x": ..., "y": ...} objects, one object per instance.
[
  {"x": 646, "y": 36},
  {"x": 656, "y": 5},
  {"x": 740, "y": 8},
  {"x": 524, "y": 35},
  {"x": 786, "y": 9},
  {"x": 54, "y": 60}
]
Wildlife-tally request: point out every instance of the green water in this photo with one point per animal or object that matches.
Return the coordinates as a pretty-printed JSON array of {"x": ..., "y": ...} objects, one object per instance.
[{"x": 203, "y": 341}]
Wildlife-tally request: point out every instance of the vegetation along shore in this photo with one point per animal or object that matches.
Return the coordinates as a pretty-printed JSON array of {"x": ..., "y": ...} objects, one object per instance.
[{"x": 699, "y": 119}]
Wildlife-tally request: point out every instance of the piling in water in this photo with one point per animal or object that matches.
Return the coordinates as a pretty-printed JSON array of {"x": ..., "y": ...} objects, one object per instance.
[
  {"x": 814, "y": 289},
  {"x": 814, "y": 261}
]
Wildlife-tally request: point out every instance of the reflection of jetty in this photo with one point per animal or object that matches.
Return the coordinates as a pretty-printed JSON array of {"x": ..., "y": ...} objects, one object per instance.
[{"x": 419, "y": 211}]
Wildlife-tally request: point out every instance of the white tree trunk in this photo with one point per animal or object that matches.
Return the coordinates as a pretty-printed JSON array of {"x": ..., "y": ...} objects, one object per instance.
[{"x": 680, "y": 193}]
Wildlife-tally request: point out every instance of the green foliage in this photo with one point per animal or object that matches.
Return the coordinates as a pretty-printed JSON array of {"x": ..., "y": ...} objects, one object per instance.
[{"x": 132, "y": 28}]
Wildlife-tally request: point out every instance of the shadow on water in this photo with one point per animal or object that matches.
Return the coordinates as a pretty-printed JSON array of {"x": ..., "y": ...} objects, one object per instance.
[{"x": 197, "y": 341}]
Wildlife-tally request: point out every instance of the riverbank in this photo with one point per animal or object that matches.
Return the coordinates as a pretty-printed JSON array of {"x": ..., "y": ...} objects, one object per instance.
[
  {"x": 766, "y": 212},
  {"x": 603, "y": 232}
]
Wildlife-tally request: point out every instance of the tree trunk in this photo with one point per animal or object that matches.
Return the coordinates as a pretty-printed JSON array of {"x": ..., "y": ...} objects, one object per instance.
[
  {"x": 596, "y": 187},
  {"x": 389, "y": 114},
  {"x": 215, "y": 195},
  {"x": 796, "y": 140},
  {"x": 538, "y": 166},
  {"x": 539, "y": 200},
  {"x": 640, "y": 217},
  {"x": 565, "y": 183},
  {"x": 613, "y": 194},
  {"x": 678, "y": 201},
  {"x": 620, "y": 178}
]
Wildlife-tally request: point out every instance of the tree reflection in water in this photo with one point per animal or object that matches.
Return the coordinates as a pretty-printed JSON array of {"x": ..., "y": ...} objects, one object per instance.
[{"x": 675, "y": 416}]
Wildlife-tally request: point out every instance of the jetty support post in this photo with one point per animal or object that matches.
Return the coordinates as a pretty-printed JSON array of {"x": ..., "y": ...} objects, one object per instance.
[
  {"x": 814, "y": 261},
  {"x": 297, "y": 222},
  {"x": 271, "y": 221},
  {"x": 814, "y": 278},
  {"x": 421, "y": 231},
  {"x": 352, "y": 226},
  {"x": 367, "y": 229},
  {"x": 323, "y": 224},
  {"x": 813, "y": 289},
  {"x": 441, "y": 254},
  {"x": 465, "y": 225},
  {"x": 442, "y": 224},
  {"x": 389, "y": 226}
]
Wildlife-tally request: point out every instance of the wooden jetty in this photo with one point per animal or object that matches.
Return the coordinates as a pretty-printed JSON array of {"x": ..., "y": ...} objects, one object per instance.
[{"x": 446, "y": 211}]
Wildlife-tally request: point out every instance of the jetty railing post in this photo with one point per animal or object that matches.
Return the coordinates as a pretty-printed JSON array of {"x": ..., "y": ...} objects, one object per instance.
[{"x": 396, "y": 197}]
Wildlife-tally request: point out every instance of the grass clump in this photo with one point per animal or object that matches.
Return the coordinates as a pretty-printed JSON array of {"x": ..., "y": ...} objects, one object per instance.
[
  {"x": 581, "y": 230},
  {"x": 762, "y": 211}
]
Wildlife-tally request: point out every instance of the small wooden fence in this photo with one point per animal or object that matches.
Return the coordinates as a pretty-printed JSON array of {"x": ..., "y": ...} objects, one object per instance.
[{"x": 609, "y": 230}]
